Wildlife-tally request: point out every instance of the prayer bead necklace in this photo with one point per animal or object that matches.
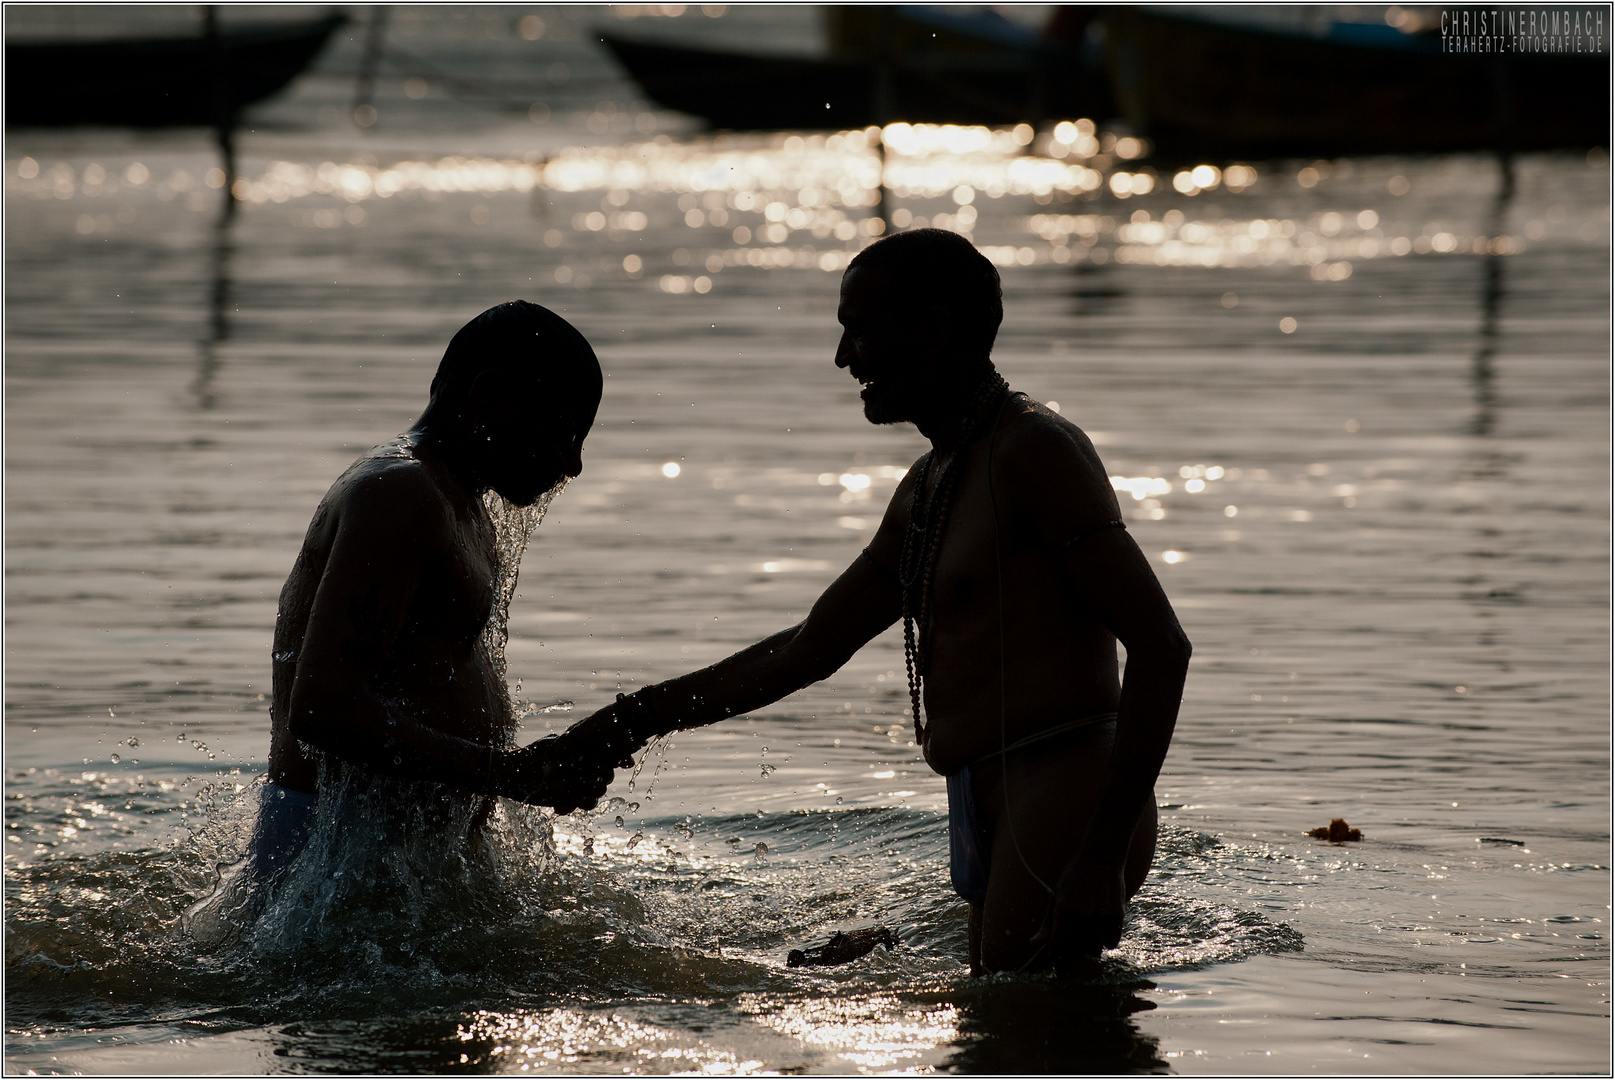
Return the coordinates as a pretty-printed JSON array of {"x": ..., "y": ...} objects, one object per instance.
[{"x": 922, "y": 544}]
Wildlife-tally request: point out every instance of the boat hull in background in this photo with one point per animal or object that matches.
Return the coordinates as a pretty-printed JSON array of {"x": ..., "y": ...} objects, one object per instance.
[
  {"x": 912, "y": 63},
  {"x": 1204, "y": 90},
  {"x": 155, "y": 82}
]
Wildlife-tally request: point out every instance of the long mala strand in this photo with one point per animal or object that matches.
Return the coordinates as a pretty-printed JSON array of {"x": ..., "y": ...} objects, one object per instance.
[{"x": 922, "y": 545}]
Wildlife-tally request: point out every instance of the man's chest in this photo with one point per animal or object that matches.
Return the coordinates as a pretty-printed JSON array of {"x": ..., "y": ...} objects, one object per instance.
[
  {"x": 456, "y": 592},
  {"x": 973, "y": 542}
]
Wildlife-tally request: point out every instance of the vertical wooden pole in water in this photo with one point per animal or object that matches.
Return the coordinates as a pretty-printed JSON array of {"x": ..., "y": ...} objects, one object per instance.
[
  {"x": 364, "y": 113},
  {"x": 883, "y": 107},
  {"x": 1483, "y": 374},
  {"x": 224, "y": 105},
  {"x": 224, "y": 121},
  {"x": 1482, "y": 371},
  {"x": 882, "y": 211}
]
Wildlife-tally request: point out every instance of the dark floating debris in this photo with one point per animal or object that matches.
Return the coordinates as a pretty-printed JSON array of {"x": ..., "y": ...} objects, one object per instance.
[
  {"x": 1336, "y": 831},
  {"x": 842, "y": 948},
  {"x": 1500, "y": 840}
]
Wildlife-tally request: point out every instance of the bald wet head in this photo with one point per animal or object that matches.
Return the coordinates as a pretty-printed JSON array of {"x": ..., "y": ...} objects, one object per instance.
[
  {"x": 520, "y": 386},
  {"x": 526, "y": 342}
]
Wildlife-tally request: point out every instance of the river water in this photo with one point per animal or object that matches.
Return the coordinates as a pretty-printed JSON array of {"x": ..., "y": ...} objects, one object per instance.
[{"x": 1374, "y": 484}]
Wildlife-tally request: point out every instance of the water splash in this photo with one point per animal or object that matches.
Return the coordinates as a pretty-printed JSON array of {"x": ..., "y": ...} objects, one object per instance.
[
  {"x": 406, "y": 903},
  {"x": 1174, "y": 924},
  {"x": 402, "y": 873},
  {"x": 513, "y": 527},
  {"x": 381, "y": 851}
]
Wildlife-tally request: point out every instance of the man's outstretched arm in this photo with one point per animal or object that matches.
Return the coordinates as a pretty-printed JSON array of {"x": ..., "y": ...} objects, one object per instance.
[
  {"x": 859, "y": 604},
  {"x": 385, "y": 538}
]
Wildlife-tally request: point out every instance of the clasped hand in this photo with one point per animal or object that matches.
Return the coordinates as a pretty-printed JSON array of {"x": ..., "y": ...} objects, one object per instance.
[{"x": 569, "y": 771}]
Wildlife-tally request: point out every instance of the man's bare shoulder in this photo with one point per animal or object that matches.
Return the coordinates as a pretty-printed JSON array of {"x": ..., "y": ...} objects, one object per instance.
[
  {"x": 1034, "y": 435},
  {"x": 1050, "y": 465},
  {"x": 894, "y": 522},
  {"x": 388, "y": 493}
]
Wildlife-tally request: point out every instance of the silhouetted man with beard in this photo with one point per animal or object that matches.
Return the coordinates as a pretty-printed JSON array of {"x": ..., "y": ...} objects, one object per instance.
[{"x": 1004, "y": 553}]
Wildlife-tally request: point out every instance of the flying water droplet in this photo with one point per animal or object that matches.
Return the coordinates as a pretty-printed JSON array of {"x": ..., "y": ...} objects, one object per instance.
[
  {"x": 761, "y": 849},
  {"x": 619, "y": 821},
  {"x": 634, "y": 840},
  {"x": 116, "y": 759}
]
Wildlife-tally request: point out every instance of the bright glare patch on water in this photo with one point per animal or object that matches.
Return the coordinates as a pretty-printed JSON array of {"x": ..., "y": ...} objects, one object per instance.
[
  {"x": 780, "y": 199},
  {"x": 767, "y": 174},
  {"x": 1142, "y": 487},
  {"x": 875, "y": 1033},
  {"x": 795, "y": 566}
]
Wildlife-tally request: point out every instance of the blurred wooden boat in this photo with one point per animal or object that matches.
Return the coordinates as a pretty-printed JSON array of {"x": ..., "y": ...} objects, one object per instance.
[
  {"x": 1206, "y": 90},
  {"x": 155, "y": 82},
  {"x": 913, "y": 63}
]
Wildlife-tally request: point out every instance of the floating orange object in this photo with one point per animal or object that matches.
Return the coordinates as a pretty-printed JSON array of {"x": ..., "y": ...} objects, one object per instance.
[{"x": 1336, "y": 831}]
